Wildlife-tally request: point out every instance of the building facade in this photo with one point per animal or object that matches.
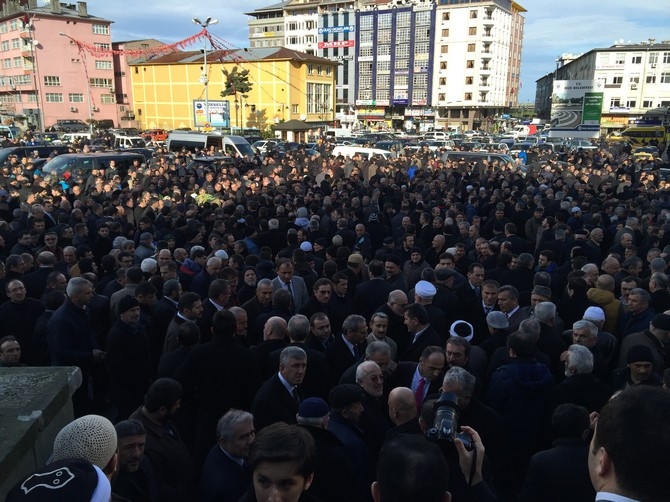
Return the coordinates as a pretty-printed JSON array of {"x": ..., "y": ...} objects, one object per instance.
[
  {"x": 636, "y": 80},
  {"x": 45, "y": 77},
  {"x": 285, "y": 85}
]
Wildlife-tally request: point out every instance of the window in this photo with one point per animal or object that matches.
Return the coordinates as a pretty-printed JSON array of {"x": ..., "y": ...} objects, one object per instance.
[
  {"x": 107, "y": 99},
  {"x": 473, "y": 14},
  {"x": 100, "y": 29},
  {"x": 16, "y": 43},
  {"x": 615, "y": 102},
  {"x": 653, "y": 57},
  {"x": 445, "y": 32},
  {"x": 53, "y": 97},
  {"x": 7, "y": 63},
  {"x": 441, "y": 97},
  {"x": 76, "y": 98},
  {"x": 443, "y": 81},
  {"x": 384, "y": 21},
  {"x": 319, "y": 70},
  {"x": 445, "y": 16},
  {"x": 468, "y": 80},
  {"x": 631, "y": 103},
  {"x": 471, "y": 47},
  {"x": 443, "y": 65},
  {"x": 617, "y": 80},
  {"x": 103, "y": 65},
  {"x": 3, "y": 27},
  {"x": 619, "y": 58},
  {"x": 14, "y": 24},
  {"x": 382, "y": 50},
  {"x": 636, "y": 60},
  {"x": 310, "y": 69},
  {"x": 635, "y": 79},
  {"x": 18, "y": 62},
  {"x": 384, "y": 66},
  {"x": 403, "y": 19},
  {"x": 468, "y": 96},
  {"x": 472, "y": 30},
  {"x": 665, "y": 77},
  {"x": 329, "y": 71},
  {"x": 402, "y": 35},
  {"x": 384, "y": 36},
  {"x": 647, "y": 103},
  {"x": 444, "y": 49},
  {"x": 651, "y": 79},
  {"x": 666, "y": 57},
  {"x": 51, "y": 80},
  {"x": 366, "y": 23},
  {"x": 5, "y": 45},
  {"x": 101, "y": 82},
  {"x": 470, "y": 63}
]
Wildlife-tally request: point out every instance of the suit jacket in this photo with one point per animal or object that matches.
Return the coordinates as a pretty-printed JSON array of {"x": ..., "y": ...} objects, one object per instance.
[
  {"x": 464, "y": 291},
  {"x": 316, "y": 381},
  {"x": 427, "y": 338},
  {"x": 223, "y": 479},
  {"x": 36, "y": 282},
  {"x": 473, "y": 312},
  {"x": 340, "y": 357},
  {"x": 205, "y": 320},
  {"x": 560, "y": 473},
  {"x": 370, "y": 295},
  {"x": 273, "y": 403},
  {"x": 403, "y": 375},
  {"x": 515, "y": 319},
  {"x": 299, "y": 288}
]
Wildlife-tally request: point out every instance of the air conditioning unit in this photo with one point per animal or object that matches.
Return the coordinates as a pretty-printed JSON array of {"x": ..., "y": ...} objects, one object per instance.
[
  {"x": 633, "y": 86},
  {"x": 95, "y": 109},
  {"x": 73, "y": 108},
  {"x": 653, "y": 65}
]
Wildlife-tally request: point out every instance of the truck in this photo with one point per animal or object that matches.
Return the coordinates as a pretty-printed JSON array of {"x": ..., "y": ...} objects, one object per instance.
[{"x": 521, "y": 130}]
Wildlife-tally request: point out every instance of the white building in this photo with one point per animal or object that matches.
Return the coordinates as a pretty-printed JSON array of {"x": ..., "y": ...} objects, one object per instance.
[
  {"x": 478, "y": 60},
  {"x": 636, "y": 77}
]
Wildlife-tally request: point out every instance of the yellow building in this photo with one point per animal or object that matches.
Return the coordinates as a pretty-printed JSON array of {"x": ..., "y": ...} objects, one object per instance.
[{"x": 169, "y": 93}]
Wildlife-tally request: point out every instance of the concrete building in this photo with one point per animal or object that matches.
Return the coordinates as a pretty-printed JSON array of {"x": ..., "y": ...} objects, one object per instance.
[
  {"x": 122, "y": 82},
  {"x": 636, "y": 78},
  {"x": 286, "y": 85},
  {"x": 45, "y": 76},
  {"x": 477, "y": 61},
  {"x": 266, "y": 29}
]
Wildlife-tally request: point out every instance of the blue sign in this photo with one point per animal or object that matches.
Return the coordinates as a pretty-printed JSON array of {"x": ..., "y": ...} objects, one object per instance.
[{"x": 337, "y": 29}]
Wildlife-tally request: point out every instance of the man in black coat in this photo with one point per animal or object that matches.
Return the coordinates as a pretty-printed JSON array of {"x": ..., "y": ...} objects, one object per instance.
[
  {"x": 316, "y": 381},
  {"x": 394, "y": 309},
  {"x": 333, "y": 466},
  {"x": 422, "y": 333},
  {"x": 128, "y": 359},
  {"x": 347, "y": 348},
  {"x": 370, "y": 295},
  {"x": 562, "y": 472},
  {"x": 225, "y": 475},
  {"x": 278, "y": 399},
  {"x": 218, "y": 376},
  {"x": 429, "y": 370}
]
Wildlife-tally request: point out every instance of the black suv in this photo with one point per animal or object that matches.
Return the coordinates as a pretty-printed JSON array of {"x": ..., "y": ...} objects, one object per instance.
[{"x": 43, "y": 151}]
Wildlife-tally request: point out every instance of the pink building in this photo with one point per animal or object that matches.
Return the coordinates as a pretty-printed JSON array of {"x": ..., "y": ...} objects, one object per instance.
[{"x": 45, "y": 77}]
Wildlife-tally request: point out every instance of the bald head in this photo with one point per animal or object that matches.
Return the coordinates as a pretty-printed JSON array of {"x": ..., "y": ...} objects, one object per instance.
[
  {"x": 605, "y": 282},
  {"x": 275, "y": 328},
  {"x": 402, "y": 405}
]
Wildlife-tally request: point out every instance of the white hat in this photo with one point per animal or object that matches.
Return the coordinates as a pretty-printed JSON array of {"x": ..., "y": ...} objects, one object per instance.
[
  {"x": 90, "y": 437},
  {"x": 221, "y": 254},
  {"x": 594, "y": 314},
  {"x": 306, "y": 246},
  {"x": 425, "y": 289},
  {"x": 461, "y": 326},
  {"x": 576, "y": 209}
]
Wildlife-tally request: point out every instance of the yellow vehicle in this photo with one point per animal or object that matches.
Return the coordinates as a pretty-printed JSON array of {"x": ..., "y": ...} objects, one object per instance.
[{"x": 639, "y": 135}]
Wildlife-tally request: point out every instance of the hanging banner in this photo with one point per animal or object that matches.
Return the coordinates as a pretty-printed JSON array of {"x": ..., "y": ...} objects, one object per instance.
[
  {"x": 576, "y": 108},
  {"x": 219, "y": 113}
]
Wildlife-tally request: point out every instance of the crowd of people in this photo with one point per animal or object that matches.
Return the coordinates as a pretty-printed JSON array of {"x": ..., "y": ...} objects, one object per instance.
[{"x": 309, "y": 326}]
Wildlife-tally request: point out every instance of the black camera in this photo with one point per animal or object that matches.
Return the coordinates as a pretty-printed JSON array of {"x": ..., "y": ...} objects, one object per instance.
[{"x": 445, "y": 424}]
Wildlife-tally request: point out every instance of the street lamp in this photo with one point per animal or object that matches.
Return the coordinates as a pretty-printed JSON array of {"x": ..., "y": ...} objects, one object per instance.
[
  {"x": 204, "y": 80},
  {"x": 88, "y": 88}
]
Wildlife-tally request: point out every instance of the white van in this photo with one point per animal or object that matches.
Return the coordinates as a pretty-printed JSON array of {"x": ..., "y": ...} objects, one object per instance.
[
  {"x": 192, "y": 141},
  {"x": 351, "y": 150},
  {"x": 10, "y": 132}
]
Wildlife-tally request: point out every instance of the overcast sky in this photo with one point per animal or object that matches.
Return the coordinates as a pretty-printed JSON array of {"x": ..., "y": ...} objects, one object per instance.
[{"x": 552, "y": 28}]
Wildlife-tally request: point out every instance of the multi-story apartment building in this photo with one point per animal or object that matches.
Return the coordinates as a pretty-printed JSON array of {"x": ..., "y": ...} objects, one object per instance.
[
  {"x": 636, "y": 80},
  {"x": 411, "y": 63},
  {"x": 45, "y": 76},
  {"x": 285, "y": 85},
  {"x": 394, "y": 52},
  {"x": 477, "y": 60}
]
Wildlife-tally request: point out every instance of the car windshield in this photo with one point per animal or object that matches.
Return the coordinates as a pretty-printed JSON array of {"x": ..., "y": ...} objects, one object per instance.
[{"x": 244, "y": 148}]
